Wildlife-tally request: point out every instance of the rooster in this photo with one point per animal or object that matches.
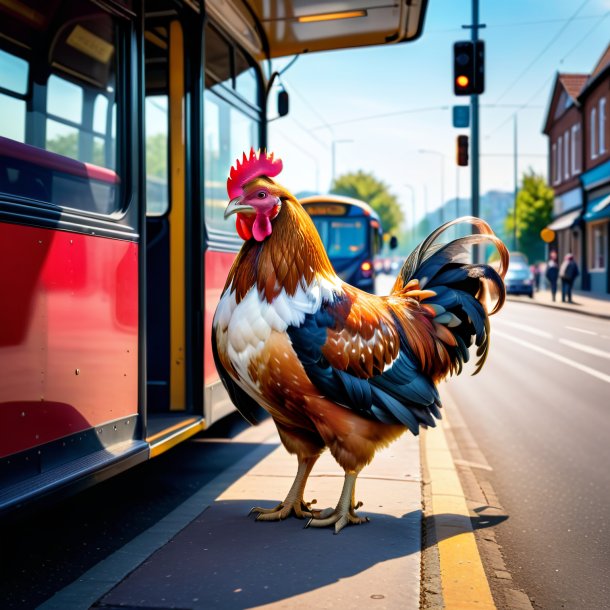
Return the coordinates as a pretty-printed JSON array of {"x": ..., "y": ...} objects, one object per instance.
[{"x": 336, "y": 367}]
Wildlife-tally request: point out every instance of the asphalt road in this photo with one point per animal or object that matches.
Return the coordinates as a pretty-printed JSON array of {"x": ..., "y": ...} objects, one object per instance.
[{"x": 540, "y": 413}]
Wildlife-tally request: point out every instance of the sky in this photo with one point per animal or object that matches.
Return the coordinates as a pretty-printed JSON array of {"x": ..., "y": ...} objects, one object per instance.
[{"x": 341, "y": 96}]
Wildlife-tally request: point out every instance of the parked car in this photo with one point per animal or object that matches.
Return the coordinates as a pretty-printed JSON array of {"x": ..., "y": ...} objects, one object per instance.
[
  {"x": 519, "y": 279},
  {"x": 518, "y": 257}
]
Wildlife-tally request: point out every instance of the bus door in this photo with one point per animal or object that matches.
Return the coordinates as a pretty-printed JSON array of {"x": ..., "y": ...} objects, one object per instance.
[{"x": 172, "y": 412}]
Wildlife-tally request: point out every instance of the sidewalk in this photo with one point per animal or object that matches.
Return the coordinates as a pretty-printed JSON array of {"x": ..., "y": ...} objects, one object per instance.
[
  {"x": 208, "y": 554},
  {"x": 584, "y": 302}
]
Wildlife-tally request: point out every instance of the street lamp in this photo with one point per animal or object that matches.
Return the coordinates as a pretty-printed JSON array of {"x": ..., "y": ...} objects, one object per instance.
[
  {"x": 414, "y": 213},
  {"x": 441, "y": 156},
  {"x": 334, "y": 144}
]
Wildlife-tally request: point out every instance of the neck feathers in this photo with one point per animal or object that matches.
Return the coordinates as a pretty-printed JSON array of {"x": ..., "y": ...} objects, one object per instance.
[{"x": 292, "y": 255}]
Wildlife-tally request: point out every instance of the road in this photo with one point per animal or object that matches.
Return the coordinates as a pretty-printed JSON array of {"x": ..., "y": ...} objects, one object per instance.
[{"x": 540, "y": 413}]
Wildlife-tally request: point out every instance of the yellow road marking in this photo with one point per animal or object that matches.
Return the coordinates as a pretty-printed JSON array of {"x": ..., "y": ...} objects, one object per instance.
[{"x": 463, "y": 578}]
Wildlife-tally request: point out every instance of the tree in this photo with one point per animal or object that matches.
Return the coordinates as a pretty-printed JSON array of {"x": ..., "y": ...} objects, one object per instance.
[
  {"x": 156, "y": 155},
  {"x": 534, "y": 212},
  {"x": 66, "y": 145},
  {"x": 363, "y": 185}
]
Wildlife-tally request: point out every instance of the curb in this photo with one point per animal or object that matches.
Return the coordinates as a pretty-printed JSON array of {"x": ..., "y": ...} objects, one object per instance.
[
  {"x": 581, "y": 312},
  {"x": 463, "y": 581}
]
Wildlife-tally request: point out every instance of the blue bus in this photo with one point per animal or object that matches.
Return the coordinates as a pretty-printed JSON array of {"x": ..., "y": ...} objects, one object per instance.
[{"x": 352, "y": 234}]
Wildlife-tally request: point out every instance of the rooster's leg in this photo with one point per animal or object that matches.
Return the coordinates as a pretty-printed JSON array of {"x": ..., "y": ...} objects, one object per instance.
[
  {"x": 345, "y": 511},
  {"x": 294, "y": 503}
]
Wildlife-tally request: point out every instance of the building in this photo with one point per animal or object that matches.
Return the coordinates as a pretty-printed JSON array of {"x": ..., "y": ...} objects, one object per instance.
[
  {"x": 578, "y": 129},
  {"x": 594, "y": 100},
  {"x": 564, "y": 127}
]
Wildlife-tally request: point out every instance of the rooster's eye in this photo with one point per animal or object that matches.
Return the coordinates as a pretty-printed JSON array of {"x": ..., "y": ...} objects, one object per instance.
[{"x": 261, "y": 194}]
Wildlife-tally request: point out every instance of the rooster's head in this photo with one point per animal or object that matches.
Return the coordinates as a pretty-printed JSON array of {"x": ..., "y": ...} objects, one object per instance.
[{"x": 254, "y": 196}]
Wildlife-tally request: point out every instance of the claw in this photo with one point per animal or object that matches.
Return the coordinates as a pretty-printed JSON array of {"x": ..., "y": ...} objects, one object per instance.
[{"x": 298, "y": 508}]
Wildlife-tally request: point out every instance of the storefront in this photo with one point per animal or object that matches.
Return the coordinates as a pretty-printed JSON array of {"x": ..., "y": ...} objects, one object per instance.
[{"x": 596, "y": 184}]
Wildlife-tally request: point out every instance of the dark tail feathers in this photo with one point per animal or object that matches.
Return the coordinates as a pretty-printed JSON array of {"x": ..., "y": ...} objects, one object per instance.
[{"x": 466, "y": 294}]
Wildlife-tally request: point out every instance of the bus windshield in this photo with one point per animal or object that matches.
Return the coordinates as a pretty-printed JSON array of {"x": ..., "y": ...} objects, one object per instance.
[{"x": 342, "y": 237}]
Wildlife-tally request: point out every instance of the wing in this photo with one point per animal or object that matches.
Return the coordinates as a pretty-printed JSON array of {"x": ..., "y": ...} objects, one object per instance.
[
  {"x": 246, "y": 405},
  {"x": 357, "y": 351}
]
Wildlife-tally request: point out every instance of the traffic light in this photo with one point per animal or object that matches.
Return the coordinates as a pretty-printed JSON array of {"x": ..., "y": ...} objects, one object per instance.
[
  {"x": 462, "y": 151},
  {"x": 468, "y": 67}
]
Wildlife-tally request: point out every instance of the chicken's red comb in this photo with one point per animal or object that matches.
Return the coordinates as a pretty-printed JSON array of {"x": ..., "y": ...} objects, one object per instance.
[{"x": 257, "y": 164}]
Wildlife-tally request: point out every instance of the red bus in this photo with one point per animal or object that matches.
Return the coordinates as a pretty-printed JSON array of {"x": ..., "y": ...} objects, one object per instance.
[{"x": 119, "y": 120}]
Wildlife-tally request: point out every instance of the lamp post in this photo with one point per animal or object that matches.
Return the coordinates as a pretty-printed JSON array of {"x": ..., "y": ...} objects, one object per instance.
[
  {"x": 334, "y": 153},
  {"x": 516, "y": 180},
  {"x": 441, "y": 156},
  {"x": 413, "y": 213}
]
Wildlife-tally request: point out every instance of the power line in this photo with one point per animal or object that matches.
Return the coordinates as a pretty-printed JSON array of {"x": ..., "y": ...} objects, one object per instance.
[
  {"x": 526, "y": 104},
  {"x": 546, "y": 48},
  {"x": 388, "y": 115},
  {"x": 310, "y": 106},
  {"x": 381, "y": 116},
  {"x": 516, "y": 24}
]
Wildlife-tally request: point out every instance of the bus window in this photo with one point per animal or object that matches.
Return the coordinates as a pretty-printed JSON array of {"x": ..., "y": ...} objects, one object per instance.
[
  {"x": 245, "y": 80},
  {"x": 227, "y": 133},
  {"x": 345, "y": 238},
  {"x": 156, "y": 112},
  {"x": 157, "y": 161},
  {"x": 59, "y": 127},
  {"x": 230, "y": 126},
  {"x": 14, "y": 80}
]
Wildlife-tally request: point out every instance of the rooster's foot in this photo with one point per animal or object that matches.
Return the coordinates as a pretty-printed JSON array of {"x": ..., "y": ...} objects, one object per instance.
[
  {"x": 339, "y": 517},
  {"x": 298, "y": 508},
  {"x": 345, "y": 512}
]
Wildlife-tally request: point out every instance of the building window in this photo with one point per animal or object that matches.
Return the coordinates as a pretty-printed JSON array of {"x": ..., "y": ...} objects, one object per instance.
[
  {"x": 602, "y": 126},
  {"x": 559, "y": 153},
  {"x": 592, "y": 131},
  {"x": 575, "y": 149},
  {"x": 566, "y": 154},
  {"x": 554, "y": 164},
  {"x": 598, "y": 246}
]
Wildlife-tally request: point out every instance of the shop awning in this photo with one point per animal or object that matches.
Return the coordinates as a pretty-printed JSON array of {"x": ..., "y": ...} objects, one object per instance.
[
  {"x": 598, "y": 209},
  {"x": 564, "y": 222}
]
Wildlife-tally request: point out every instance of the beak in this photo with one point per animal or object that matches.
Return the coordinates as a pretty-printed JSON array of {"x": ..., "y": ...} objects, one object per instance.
[{"x": 235, "y": 205}]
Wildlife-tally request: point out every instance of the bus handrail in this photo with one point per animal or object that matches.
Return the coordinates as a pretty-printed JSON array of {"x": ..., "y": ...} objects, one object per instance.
[{"x": 44, "y": 158}]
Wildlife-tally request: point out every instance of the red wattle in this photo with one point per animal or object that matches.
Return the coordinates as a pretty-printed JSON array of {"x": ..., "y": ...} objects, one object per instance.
[{"x": 243, "y": 224}]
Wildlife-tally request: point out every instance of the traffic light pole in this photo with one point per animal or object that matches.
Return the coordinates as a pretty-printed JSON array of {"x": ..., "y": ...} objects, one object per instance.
[{"x": 474, "y": 131}]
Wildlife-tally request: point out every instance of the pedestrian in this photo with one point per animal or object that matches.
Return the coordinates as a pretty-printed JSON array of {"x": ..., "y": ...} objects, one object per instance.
[
  {"x": 552, "y": 272},
  {"x": 535, "y": 269},
  {"x": 568, "y": 272}
]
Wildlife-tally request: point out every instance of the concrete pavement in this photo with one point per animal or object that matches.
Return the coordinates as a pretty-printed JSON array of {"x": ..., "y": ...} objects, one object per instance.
[
  {"x": 584, "y": 302},
  {"x": 209, "y": 554}
]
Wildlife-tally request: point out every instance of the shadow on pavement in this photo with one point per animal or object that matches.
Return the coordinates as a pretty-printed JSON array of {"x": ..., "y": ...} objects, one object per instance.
[{"x": 225, "y": 560}]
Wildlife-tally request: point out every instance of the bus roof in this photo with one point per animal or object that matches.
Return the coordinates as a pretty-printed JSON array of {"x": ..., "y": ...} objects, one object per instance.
[
  {"x": 365, "y": 207},
  {"x": 290, "y": 28}
]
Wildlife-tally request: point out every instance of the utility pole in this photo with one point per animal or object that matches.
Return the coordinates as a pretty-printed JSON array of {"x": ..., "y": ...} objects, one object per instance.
[
  {"x": 413, "y": 212},
  {"x": 474, "y": 130},
  {"x": 334, "y": 155},
  {"x": 516, "y": 178}
]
